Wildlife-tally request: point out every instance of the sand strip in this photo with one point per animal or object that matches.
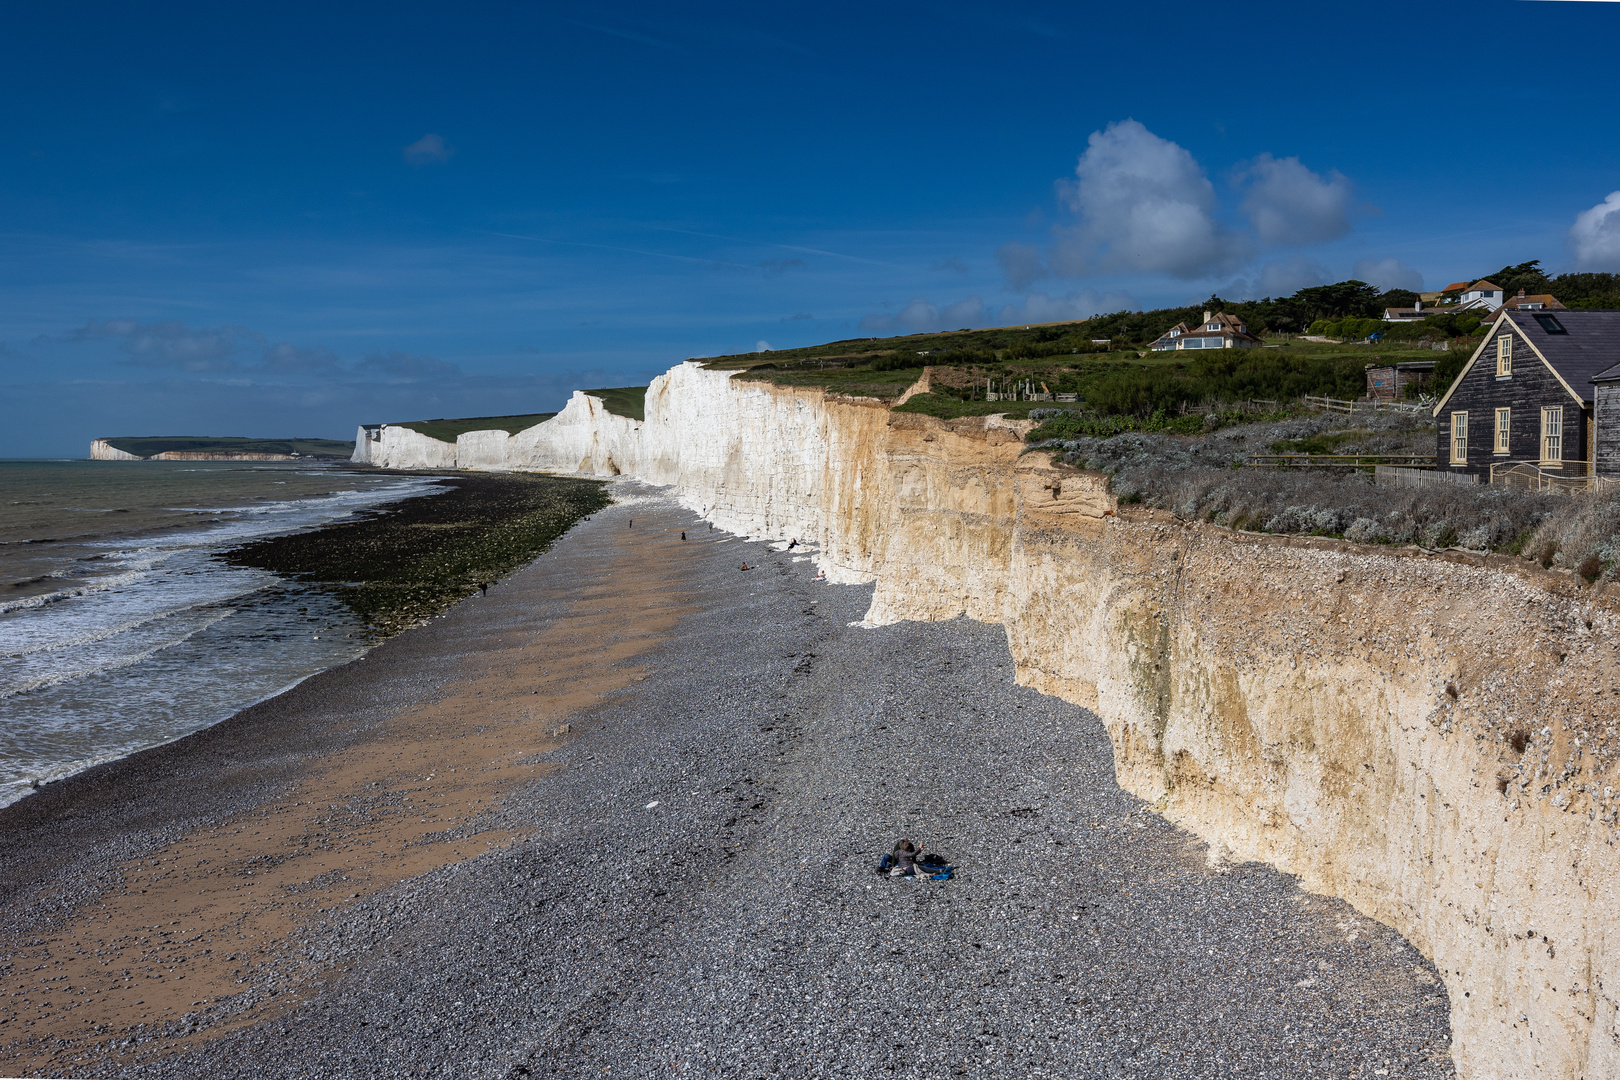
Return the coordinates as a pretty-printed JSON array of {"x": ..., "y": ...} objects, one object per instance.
[{"x": 206, "y": 929}]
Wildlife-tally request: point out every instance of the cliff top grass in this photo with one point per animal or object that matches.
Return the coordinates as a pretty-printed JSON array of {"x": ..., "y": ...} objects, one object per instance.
[
  {"x": 147, "y": 445},
  {"x": 630, "y": 401},
  {"x": 447, "y": 430},
  {"x": 1106, "y": 378}
]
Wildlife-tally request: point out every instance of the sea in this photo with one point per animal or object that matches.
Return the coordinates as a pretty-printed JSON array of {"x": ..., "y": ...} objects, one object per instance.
[{"x": 121, "y": 630}]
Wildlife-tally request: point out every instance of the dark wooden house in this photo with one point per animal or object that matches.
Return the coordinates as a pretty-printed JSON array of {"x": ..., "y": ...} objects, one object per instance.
[
  {"x": 1527, "y": 394},
  {"x": 1606, "y": 422}
]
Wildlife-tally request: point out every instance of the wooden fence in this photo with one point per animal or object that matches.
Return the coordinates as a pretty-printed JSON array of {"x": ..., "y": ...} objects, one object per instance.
[
  {"x": 1398, "y": 476},
  {"x": 1337, "y": 461},
  {"x": 1335, "y": 405},
  {"x": 1530, "y": 476}
]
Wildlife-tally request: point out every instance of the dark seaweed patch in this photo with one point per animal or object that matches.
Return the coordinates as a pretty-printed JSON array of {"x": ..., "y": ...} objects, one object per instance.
[{"x": 409, "y": 561}]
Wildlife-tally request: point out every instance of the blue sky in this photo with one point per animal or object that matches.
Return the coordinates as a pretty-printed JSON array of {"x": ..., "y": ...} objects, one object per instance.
[{"x": 296, "y": 219}]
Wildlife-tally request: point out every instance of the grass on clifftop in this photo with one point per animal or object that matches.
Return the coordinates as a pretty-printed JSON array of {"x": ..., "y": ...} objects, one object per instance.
[
  {"x": 147, "y": 445},
  {"x": 407, "y": 562},
  {"x": 447, "y": 430},
  {"x": 628, "y": 401}
]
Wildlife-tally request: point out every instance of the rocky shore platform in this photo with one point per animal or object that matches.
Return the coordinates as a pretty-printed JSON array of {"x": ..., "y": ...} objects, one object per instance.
[{"x": 620, "y": 817}]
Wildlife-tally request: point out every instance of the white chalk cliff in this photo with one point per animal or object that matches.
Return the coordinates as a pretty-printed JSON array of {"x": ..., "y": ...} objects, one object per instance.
[{"x": 1432, "y": 738}]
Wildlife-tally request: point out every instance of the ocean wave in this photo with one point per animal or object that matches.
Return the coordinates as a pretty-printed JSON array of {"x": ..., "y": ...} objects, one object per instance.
[
  {"x": 93, "y": 636},
  {"x": 111, "y": 581},
  {"x": 57, "y": 677}
]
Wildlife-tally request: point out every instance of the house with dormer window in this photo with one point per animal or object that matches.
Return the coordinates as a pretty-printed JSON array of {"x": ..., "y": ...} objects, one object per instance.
[
  {"x": 1167, "y": 340},
  {"x": 1218, "y": 331},
  {"x": 1527, "y": 394}
]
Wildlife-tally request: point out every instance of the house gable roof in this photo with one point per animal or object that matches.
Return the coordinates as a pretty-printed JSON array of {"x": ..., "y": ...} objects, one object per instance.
[
  {"x": 1590, "y": 348},
  {"x": 1455, "y": 286},
  {"x": 1483, "y": 286},
  {"x": 1546, "y": 300}
]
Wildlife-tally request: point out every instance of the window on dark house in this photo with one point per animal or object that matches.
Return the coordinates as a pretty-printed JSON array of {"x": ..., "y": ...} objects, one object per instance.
[
  {"x": 1504, "y": 356},
  {"x": 1552, "y": 434},
  {"x": 1459, "y": 438},
  {"x": 1551, "y": 324},
  {"x": 1504, "y": 425}
]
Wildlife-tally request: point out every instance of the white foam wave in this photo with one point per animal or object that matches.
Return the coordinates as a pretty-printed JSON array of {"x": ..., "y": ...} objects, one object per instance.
[
  {"x": 111, "y": 581},
  {"x": 113, "y": 664}
]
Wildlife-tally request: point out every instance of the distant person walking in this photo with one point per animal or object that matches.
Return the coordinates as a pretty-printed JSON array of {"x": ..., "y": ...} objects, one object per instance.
[
  {"x": 632, "y": 523},
  {"x": 483, "y": 588},
  {"x": 683, "y": 534}
]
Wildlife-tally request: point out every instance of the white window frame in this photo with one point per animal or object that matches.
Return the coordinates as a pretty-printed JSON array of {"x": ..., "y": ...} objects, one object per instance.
[
  {"x": 1504, "y": 430},
  {"x": 1504, "y": 356},
  {"x": 1459, "y": 438},
  {"x": 1552, "y": 435}
]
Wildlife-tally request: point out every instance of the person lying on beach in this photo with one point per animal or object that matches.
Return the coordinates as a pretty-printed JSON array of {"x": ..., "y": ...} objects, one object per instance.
[
  {"x": 745, "y": 566},
  {"x": 821, "y": 575}
]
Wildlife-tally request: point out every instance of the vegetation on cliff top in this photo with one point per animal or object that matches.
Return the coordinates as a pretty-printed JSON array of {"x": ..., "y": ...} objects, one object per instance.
[
  {"x": 447, "y": 430},
  {"x": 628, "y": 401},
  {"x": 407, "y": 562},
  {"x": 148, "y": 445}
]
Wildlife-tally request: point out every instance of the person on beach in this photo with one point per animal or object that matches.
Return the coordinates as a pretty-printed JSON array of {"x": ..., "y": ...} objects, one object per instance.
[
  {"x": 793, "y": 543},
  {"x": 632, "y": 523},
  {"x": 745, "y": 566},
  {"x": 683, "y": 534},
  {"x": 483, "y": 588},
  {"x": 905, "y": 859}
]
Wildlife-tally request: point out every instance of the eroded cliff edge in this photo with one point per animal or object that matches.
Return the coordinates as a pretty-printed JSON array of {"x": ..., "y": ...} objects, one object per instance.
[{"x": 1430, "y": 737}]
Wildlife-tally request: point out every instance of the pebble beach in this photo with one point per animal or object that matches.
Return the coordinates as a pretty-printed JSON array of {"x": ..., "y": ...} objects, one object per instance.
[{"x": 621, "y": 817}]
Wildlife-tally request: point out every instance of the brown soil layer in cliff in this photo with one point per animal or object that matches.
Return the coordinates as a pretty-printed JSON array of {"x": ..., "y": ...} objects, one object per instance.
[{"x": 208, "y": 927}]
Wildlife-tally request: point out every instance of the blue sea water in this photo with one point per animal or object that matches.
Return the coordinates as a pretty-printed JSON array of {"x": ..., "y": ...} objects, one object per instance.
[{"x": 120, "y": 630}]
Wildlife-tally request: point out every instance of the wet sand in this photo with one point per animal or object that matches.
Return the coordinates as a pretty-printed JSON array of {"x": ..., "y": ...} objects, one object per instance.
[
  {"x": 398, "y": 869},
  {"x": 175, "y": 933}
]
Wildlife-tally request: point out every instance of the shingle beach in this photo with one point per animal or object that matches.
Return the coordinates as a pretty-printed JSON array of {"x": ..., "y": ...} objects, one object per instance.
[{"x": 655, "y": 855}]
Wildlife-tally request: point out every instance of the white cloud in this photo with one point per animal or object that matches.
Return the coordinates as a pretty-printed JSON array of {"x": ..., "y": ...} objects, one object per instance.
[
  {"x": 1279, "y": 277},
  {"x": 1595, "y": 236},
  {"x": 1040, "y": 308},
  {"x": 1290, "y": 205},
  {"x": 1022, "y": 263},
  {"x": 919, "y": 316},
  {"x": 430, "y": 149},
  {"x": 1388, "y": 274},
  {"x": 1145, "y": 206},
  {"x": 762, "y": 346}
]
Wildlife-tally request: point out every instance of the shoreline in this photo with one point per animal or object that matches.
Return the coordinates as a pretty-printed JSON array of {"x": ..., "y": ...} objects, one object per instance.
[
  {"x": 683, "y": 874},
  {"x": 486, "y": 526},
  {"x": 397, "y": 730}
]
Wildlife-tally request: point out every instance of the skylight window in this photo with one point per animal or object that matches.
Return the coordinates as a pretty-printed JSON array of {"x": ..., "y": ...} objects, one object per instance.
[{"x": 1551, "y": 324}]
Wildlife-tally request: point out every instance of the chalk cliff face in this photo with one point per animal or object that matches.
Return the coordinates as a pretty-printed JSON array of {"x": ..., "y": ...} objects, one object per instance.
[
  {"x": 1432, "y": 738},
  {"x": 102, "y": 450},
  {"x": 394, "y": 447}
]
